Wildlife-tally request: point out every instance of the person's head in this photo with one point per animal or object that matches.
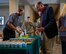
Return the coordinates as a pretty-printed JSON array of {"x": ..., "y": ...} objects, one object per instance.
[
  {"x": 28, "y": 18},
  {"x": 20, "y": 11},
  {"x": 40, "y": 6}
]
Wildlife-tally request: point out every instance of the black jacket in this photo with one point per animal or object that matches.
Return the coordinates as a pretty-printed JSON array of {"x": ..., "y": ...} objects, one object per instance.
[{"x": 49, "y": 23}]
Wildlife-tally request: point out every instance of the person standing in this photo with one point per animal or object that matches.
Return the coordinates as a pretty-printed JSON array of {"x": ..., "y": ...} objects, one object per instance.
[
  {"x": 11, "y": 24},
  {"x": 62, "y": 29},
  {"x": 48, "y": 25}
]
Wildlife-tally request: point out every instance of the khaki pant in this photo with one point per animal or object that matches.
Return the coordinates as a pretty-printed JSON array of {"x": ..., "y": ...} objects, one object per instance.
[{"x": 47, "y": 45}]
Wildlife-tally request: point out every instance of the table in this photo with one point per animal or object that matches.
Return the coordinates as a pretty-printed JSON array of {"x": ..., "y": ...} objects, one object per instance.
[{"x": 32, "y": 48}]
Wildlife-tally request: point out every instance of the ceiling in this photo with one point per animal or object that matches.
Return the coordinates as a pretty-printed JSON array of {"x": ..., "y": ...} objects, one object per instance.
[{"x": 25, "y": 2}]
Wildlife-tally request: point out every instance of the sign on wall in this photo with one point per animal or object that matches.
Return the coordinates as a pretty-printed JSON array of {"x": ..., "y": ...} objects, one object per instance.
[{"x": 1, "y": 20}]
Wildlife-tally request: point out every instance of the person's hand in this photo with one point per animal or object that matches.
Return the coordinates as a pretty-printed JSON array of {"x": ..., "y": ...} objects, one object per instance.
[
  {"x": 41, "y": 29},
  {"x": 19, "y": 31},
  {"x": 62, "y": 28},
  {"x": 37, "y": 32}
]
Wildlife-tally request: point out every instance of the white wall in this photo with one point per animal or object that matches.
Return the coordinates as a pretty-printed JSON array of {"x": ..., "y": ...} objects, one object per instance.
[
  {"x": 45, "y": 1},
  {"x": 4, "y": 11}
]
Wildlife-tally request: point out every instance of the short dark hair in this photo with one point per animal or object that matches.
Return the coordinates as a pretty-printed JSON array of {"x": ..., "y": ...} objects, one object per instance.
[
  {"x": 45, "y": 4},
  {"x": 39, "y": 3},
  {"x": 20, "y": 9}
]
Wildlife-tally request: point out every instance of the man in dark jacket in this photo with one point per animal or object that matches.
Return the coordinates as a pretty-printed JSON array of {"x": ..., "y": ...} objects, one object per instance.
[{"x": 48, "y": 23}]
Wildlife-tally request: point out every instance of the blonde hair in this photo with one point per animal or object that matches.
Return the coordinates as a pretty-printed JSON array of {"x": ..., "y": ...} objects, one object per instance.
[{"x": 63, "y": 12}]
